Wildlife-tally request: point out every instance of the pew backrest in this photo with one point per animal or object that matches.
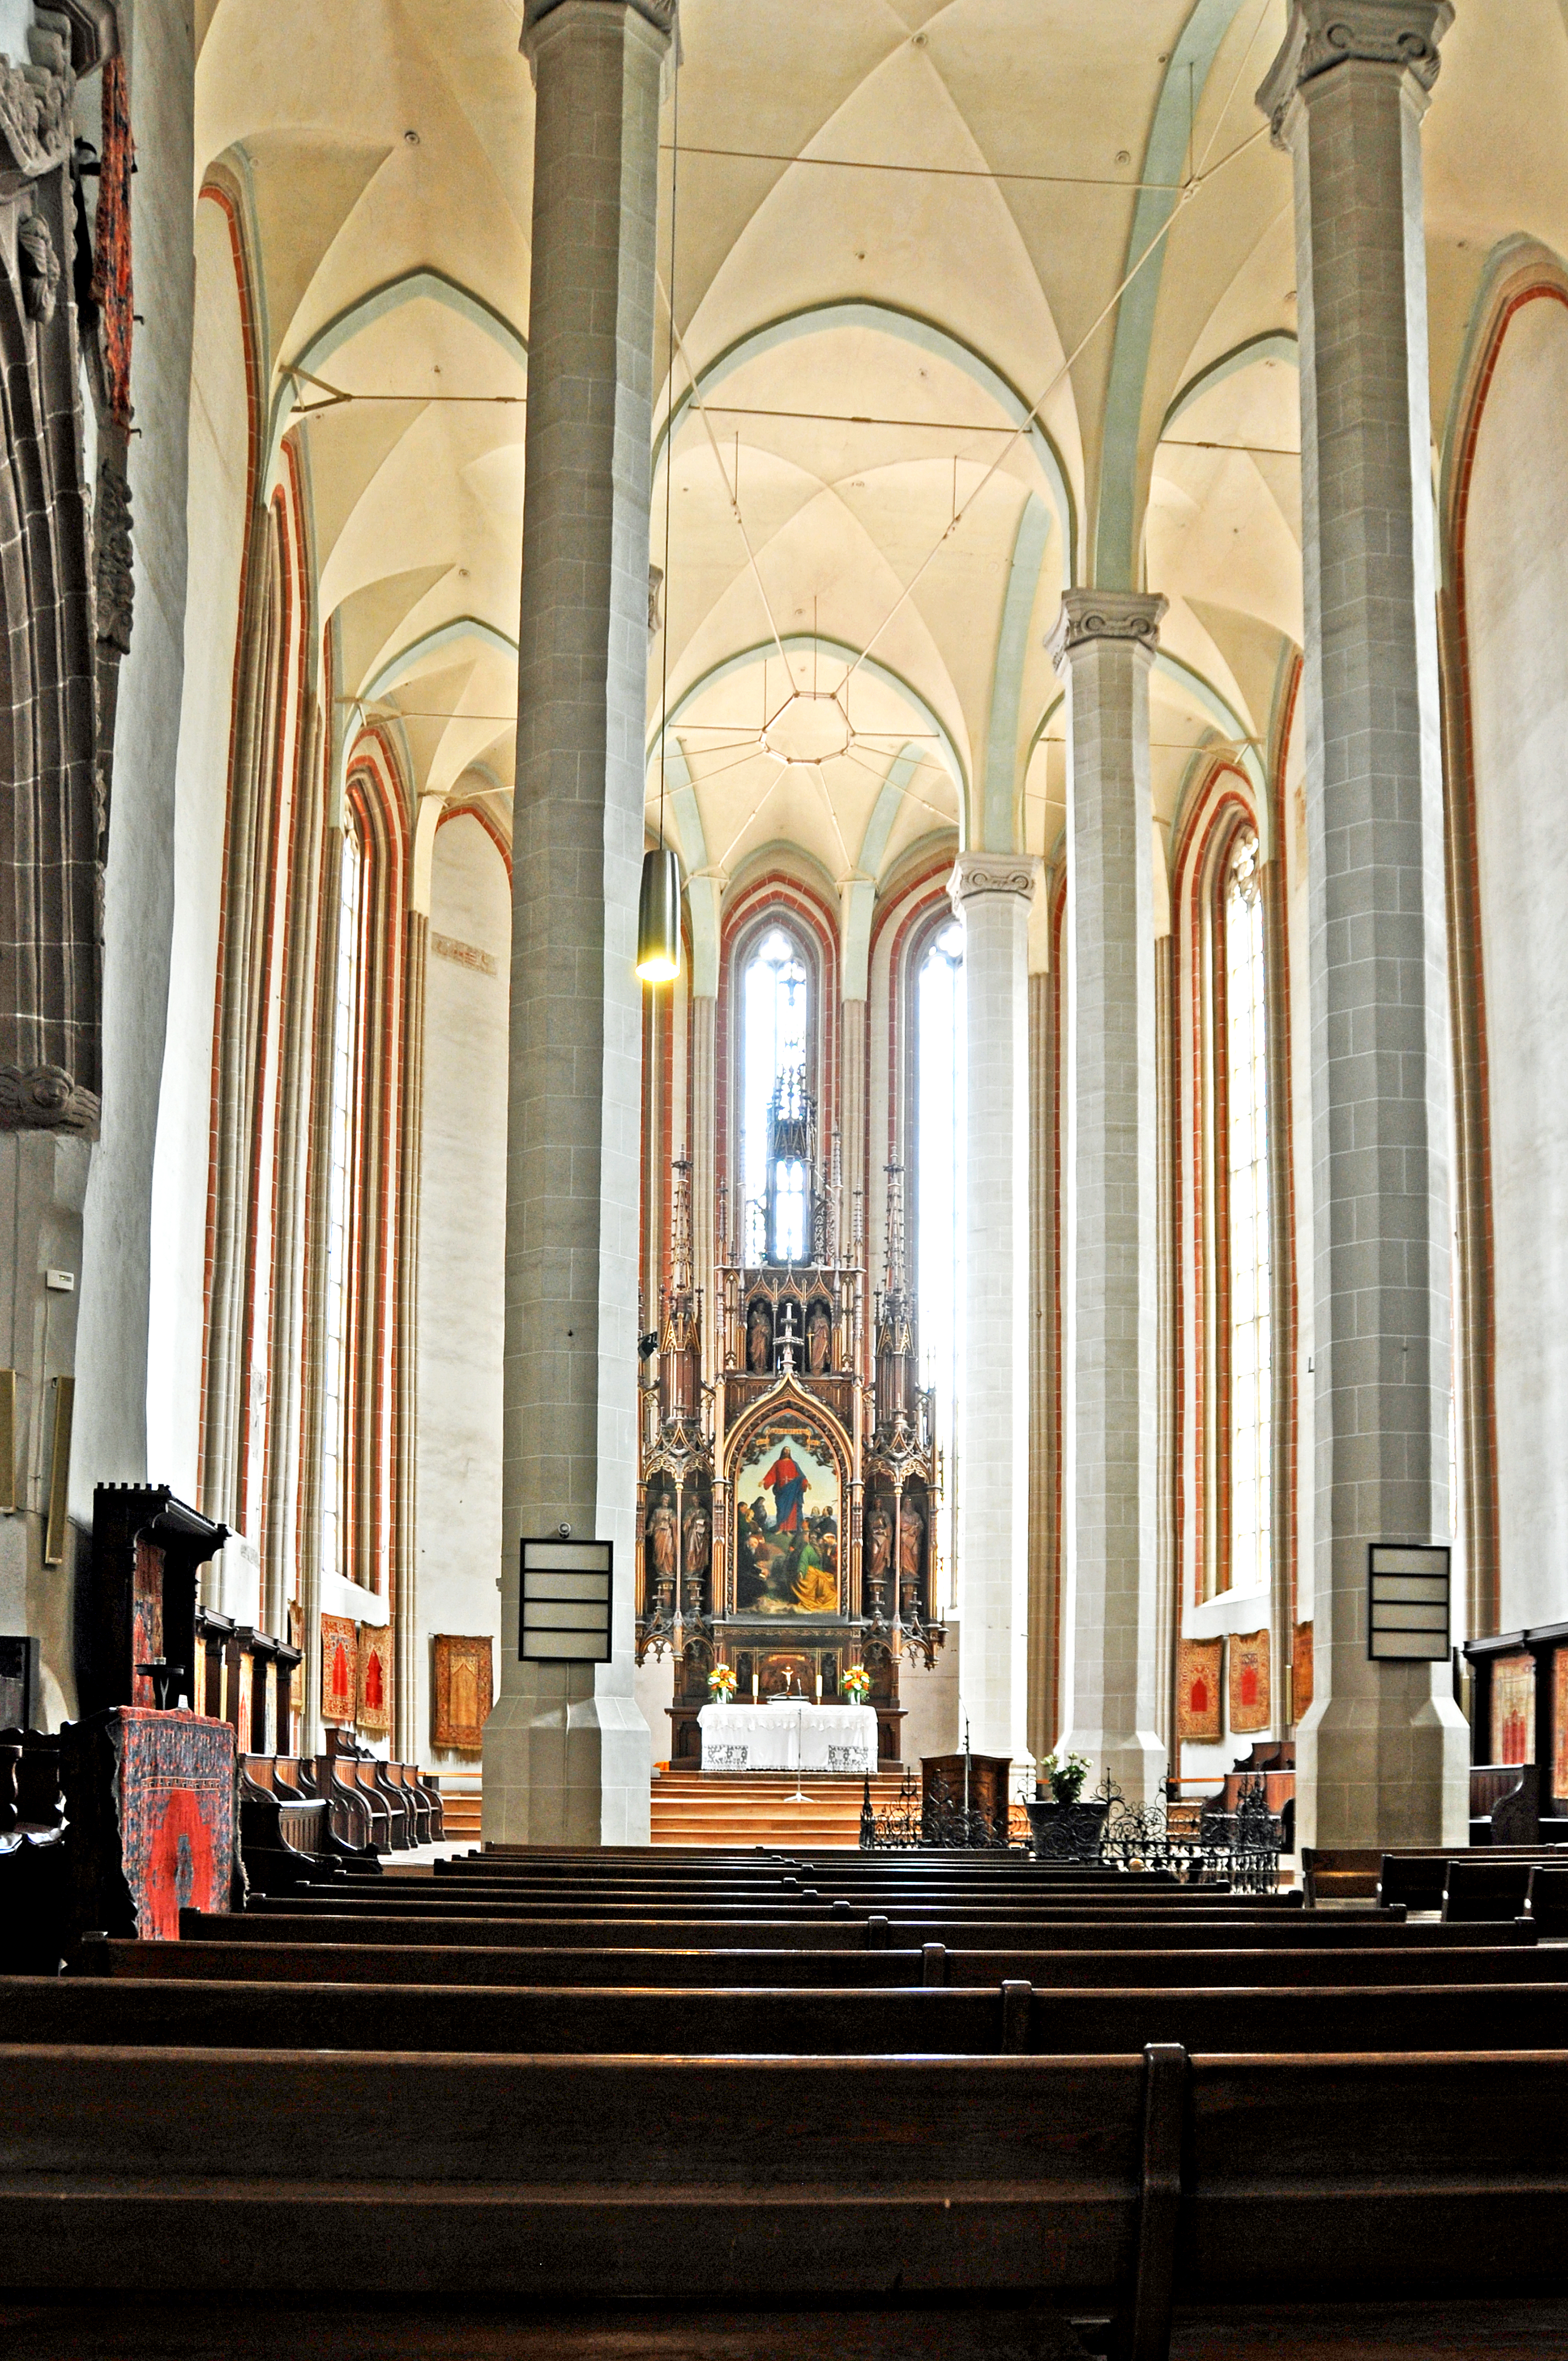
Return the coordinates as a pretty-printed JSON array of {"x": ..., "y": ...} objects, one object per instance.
[
  {"x": 1477, "y": 1889},
  {"x": 1549, "y": 1900},
  {"x": 1012, "y": 2016}
]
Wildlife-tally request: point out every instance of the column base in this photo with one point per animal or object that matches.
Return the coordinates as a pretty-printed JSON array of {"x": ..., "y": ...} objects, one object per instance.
[
  {"x": 1379, "y": 1772},
  {"x": 567, "y": 1771},
  {"x": 1135, "y": 1760}
]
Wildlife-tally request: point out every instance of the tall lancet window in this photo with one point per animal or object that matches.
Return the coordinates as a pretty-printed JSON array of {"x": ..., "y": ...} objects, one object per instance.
[
  {"x": 1251, "y": 1342},
  {"x": 340, "y": 1203},
  {"x": 940, "y": 1195},
  {"x": 775, "y": 1016}
]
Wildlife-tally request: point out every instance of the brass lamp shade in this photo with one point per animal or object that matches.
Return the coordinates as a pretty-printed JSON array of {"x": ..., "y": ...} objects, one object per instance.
[{"x": 659, "y": 917}]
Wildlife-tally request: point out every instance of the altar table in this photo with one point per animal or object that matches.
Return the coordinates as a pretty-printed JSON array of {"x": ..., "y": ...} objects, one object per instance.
[{"x": 794, "y": 1737}]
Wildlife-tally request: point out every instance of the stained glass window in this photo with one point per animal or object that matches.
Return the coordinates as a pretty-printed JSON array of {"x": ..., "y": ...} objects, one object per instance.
[{"x": 774, "y": 1018}]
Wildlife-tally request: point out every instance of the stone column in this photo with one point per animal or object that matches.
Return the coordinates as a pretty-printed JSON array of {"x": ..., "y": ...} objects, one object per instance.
[
  {"x": 567, "y": 1755},
  {"x": 990, "y": 894},
  {"x": 1045, "y": 1541},
  {"x": 854, "y": 1037},
  {"x": 1381, "y": 1755},
  {"x": 1105, "y": 644}
]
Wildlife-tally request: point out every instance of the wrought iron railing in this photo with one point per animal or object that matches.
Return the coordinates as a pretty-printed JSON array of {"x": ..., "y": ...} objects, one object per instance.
[{"x": 1240, "y": 1850}]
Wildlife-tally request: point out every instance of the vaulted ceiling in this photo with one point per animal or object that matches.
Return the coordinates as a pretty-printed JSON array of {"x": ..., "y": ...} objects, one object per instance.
[{"x": 979, "y": 297}]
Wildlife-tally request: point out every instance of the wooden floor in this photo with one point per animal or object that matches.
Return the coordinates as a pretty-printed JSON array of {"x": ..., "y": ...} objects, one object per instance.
[
  {"x": 284, "y": 2332},
  {"x": 759, "y": 1807}
]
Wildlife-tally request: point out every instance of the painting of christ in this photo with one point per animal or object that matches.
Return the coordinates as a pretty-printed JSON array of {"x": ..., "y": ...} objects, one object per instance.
[{"x": 787, "y": 1524}]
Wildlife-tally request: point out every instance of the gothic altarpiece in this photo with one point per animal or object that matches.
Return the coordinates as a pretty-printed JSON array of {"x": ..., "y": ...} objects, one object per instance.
[{"x": 787, "y": 1506}]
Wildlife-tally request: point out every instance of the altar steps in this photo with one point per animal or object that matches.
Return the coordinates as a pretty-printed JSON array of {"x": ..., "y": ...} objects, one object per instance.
[{"x": 754, "y": 1807}]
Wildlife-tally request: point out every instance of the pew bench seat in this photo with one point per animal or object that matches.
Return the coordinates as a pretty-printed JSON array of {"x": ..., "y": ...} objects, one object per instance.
[
  {"x": 934, "y": 1964},
  {"x": 367, "y": 1922},
  {"x": 1010, "y": 2016}
]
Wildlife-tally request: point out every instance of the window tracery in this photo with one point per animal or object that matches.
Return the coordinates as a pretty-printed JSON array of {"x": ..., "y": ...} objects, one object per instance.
[
  {"x": 775, "y": 1019},
  {"x": 940, "y": 1200},
  {"x": 340, "y": 1241},
  {"x": 1245, "y": 1165}
]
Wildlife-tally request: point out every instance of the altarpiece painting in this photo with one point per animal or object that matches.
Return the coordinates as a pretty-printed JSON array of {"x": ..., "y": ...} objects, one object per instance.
[{"x": 789, "y": 1520}]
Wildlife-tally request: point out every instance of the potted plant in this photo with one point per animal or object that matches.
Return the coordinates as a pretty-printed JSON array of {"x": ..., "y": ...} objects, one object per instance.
[
  {"x": 856, "y": 1684},
  {"x": 1061, "y": 1825},
  {"x": 1065, "y": 1778},
  {"x": 721, "y": 1684}
]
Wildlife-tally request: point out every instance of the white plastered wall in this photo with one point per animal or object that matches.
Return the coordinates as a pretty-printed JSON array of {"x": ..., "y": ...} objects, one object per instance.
[
  {"x": 462, "y": 1245},
  {"x": 216, "y": 519},
  {"x": 1515, "y": 559}
]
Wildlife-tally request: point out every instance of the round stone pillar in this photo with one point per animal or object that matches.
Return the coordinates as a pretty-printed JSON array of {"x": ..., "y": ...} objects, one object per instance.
[
  {"x": 1104, "y": 645},
  {"x": 567, "y": 1754},
  {"x": 992, "y": 893},
  {"x": 1382, "y": 1754}
]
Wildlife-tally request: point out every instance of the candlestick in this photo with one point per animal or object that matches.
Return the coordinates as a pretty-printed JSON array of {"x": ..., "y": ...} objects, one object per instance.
[
  {"x": 818, "y": 1684},
  {"x": 753, "y": 1688}
]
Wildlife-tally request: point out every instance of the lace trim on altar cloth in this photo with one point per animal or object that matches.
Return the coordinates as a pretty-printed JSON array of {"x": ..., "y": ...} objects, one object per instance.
[
  {"x": 847, "y": 1758},
  {"x": 724, "y": 1758}
]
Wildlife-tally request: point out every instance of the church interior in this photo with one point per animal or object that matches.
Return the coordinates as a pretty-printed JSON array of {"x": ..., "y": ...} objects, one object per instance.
[{"x": 783, "y": 1551}]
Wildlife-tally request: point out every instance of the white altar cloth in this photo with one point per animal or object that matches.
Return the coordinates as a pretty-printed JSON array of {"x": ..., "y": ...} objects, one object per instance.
[{"x": 794, "y": 1737}]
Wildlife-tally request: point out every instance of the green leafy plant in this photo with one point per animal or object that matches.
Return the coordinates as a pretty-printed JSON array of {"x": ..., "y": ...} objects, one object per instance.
[{"x": 1066, "y": 1777}]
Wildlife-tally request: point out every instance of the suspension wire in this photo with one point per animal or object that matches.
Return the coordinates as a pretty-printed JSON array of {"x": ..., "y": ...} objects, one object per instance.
[
  {"x": 698, "y": 404},
  {"x": 1219, "y": 118},
  {"x": 669, "y": 365},
  {"x": 1027, "y": 423}
]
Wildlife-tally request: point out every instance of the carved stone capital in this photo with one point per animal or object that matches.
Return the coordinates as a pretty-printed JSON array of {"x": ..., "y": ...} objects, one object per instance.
[
  {"x": 45, "y": 1098},
  {"x": 993, "y": 872},
  {"x": 660, "y": 13},
  {"x": 1090, "y": 617},
  {"x": 1323, "y": 34},
  {"x": 35, "y": 108}
]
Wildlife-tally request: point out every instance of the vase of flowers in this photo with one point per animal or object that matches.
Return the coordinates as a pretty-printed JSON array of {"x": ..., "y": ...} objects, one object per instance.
[
  {"x": 856, "y": 1684},
  {"x": 1065, "y": 1778},
  {"x": 1061, "y": 1825},
  {"x": 721, "y": 1684}
]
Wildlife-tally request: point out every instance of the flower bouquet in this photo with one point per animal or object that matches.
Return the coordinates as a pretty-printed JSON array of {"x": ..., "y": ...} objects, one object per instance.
[
  {"x": 721, "y": 1684},
  {"x": 857, "y": 1685},
  {"x": 1066, "y": 1777}
]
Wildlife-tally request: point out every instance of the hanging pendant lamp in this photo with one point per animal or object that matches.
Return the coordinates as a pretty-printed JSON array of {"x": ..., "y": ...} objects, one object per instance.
[{"x": 659, "y": 917}]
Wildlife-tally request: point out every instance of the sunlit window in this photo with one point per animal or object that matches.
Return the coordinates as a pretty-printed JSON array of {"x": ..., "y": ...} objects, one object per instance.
[
  {"x": 1248, "y": 1180},
  {"x": 774, "y": 1017},
  {"x": 339, "y": 1229},
  {"x": 940, "y": 1193}
]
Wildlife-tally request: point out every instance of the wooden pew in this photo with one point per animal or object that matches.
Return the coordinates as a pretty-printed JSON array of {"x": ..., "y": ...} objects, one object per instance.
[
  {"x": 1548, "y": 1903},
  {"x": 1128, "y": 1891},
  {"x": 1352, "y": 1873},
  {"x": 426, "y": 1896},
  {"x": 284, "y": 1837},
  {"x": 1484, "y": 1889},
  {"x": 281, "y": 1919},
  {"x": 1009, "y": 2017},
  {"x": 1120, "y": 2181},
  {"x": 933, "y": 1965},
  {"x": 1442, "y": 2175},
  {"x": 580, "y": 2178}
]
